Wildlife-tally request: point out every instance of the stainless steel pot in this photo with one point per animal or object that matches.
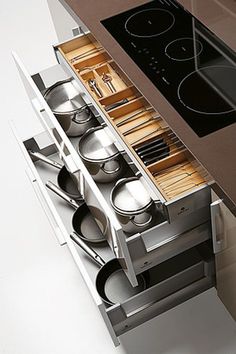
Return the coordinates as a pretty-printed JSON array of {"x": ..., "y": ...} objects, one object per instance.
[
  {"x": 133, "y": 205},
  {"x": 66, "y": 103},
  {"x": 100, "y": 155}
]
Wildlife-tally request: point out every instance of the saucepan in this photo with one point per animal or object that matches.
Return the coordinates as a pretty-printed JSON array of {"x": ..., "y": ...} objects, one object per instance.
[
  {"x": 80, "y": 215},
  {"x": 134, "y": 207},
  {"x": 73, "y": 114},
  {"x": 64, "y": 178},
  {"x": 111, "y": 282},
  {"x": 100, "y": 155}
]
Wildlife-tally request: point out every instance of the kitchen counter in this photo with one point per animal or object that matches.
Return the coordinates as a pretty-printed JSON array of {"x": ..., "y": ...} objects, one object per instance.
[{"x": 214, "y": 151}]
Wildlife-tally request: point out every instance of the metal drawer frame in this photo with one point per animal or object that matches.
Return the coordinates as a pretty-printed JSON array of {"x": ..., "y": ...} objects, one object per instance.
[
  {"x": 121, "y": 317},
  {"x": 122, "y": 246}
]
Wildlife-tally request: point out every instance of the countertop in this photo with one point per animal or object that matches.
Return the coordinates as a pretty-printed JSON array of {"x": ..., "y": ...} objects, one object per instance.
[{"x": 214, "y": 151}]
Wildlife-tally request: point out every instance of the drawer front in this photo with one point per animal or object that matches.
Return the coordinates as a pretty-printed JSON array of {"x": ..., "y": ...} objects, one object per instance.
[
  {"x": 92, "y": 195},
  {"x": 57, "y": 222},
  {"x": 40, "y": 191},
  {"x": 167, "y": 293},
  {"x": 174, "y": 243}
]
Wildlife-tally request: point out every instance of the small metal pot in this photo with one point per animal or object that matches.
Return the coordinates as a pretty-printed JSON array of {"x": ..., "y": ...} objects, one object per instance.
[
  {"x": 100, "y": 155},
  {"x": 133, "y": 205},
  {"x": 66, "y": 103}
]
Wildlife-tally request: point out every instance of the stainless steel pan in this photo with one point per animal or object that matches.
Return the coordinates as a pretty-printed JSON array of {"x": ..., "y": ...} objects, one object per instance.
[
  {"x": 64, "y": 178},
  {"x": 111, "y": 282},
  {"x": 80, "y": 217}
]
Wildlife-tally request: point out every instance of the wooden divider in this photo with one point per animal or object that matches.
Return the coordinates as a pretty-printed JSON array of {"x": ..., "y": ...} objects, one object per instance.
[{"x": 133, "y": 118}]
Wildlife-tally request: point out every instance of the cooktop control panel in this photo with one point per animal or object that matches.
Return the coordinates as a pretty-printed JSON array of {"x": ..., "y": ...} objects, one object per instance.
[{"x": 189, "y": 65}]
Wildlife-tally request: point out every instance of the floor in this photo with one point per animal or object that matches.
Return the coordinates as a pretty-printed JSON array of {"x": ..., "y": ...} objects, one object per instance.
[{"x": 44, "y": 305}]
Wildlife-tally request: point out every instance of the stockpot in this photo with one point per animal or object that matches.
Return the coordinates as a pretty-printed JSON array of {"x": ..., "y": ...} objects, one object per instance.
[
  {"x": 134, "y": 207},
  {"x": 100, "y": 155},
  {"x": 66, "y": 103}
]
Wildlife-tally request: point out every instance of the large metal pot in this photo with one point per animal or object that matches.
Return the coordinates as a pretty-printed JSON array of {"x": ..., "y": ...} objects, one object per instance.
[
  {"x": 66, "y": 103},
  {"x": 134, "y": 207},
  {"x": 100, "y": 155}
]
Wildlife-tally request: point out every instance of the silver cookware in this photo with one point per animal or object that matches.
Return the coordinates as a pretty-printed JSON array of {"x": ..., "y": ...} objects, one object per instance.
[
  {"x": 71, "y": 111},
  {"x": 64, "y": 179},
  {"x": 81, "y": 216},
  {"x": 133, "y": 205},
  {"x": 112, "y": 284},
  {"x": 100, "y": 155}
]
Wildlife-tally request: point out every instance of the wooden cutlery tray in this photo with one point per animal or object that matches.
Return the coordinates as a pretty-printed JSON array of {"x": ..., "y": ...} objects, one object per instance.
[{"x": 132, "y": 117}]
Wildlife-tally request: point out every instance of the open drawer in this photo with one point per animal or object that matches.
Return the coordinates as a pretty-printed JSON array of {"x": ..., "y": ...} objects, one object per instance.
[
  {"x": 135, "y": 123},
  {"x": 50, "y": 131},
  {"x": 168, "y": 284},
  {"x": 142, "y": 250}
]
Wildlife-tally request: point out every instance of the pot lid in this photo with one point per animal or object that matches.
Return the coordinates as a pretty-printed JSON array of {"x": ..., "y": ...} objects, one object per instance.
[
  {"x": 97, "y": 145},
  {"x": 63, "y": 97},
  {"x": 130, "y": 195}
]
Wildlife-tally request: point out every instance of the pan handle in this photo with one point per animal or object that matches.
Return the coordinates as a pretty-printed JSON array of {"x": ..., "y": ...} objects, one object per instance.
[
  {"x": 45, "y": 159},
  {"x": 87, "y": 249},
  {"x": 50, "y": 185}
]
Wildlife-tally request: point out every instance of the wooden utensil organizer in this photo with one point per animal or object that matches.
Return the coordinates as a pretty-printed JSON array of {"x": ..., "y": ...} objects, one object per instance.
[{"x": 133, "y": 118}]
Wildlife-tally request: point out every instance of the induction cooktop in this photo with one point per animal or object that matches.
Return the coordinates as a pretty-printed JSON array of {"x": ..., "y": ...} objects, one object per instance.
[{"x": 192, "y": 68}]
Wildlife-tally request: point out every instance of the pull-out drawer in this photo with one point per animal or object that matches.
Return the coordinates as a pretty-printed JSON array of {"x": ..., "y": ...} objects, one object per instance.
[
  {"x": 176, "y": 178},
  {"x": 140, "y": 251},
  {"x": 168, "y": 284},
  {"x": 49, "y": 131}
]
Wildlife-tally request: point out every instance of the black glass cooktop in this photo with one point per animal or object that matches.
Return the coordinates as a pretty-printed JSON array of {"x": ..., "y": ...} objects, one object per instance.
[{"x": 189, "y": 65}]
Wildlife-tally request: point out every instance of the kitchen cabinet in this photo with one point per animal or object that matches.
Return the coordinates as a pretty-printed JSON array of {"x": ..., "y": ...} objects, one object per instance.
[
  {"x": 224, "y": 230},
  {"x": 176, "y": 250}
]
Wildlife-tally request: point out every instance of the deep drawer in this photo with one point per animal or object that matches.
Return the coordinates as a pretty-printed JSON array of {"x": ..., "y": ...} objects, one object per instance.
[
  {"x": 171, "y": 283},
  {"x": 142, "y": 250}
]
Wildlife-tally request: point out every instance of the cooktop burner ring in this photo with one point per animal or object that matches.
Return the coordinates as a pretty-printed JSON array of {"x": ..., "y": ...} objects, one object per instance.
[
  {"x": 168, "y": 16},
  {"x": 184, "y": 50},
  {"x": 198, "y": 75}
]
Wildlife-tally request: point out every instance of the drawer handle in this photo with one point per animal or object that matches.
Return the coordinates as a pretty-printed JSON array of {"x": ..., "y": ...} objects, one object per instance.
[{"x": 217, "y": 224}]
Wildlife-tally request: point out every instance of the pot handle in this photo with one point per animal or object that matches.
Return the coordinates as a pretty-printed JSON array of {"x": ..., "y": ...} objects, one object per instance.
[
  {"x": 50, "y": 185},
  {"x": 141, "y": 224},
  {"x": 48, "y": 89},
  {"x": 110, "y": 172},
  {"x": 87, "y": 249},
  {"x": 82, "y": 121}
]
